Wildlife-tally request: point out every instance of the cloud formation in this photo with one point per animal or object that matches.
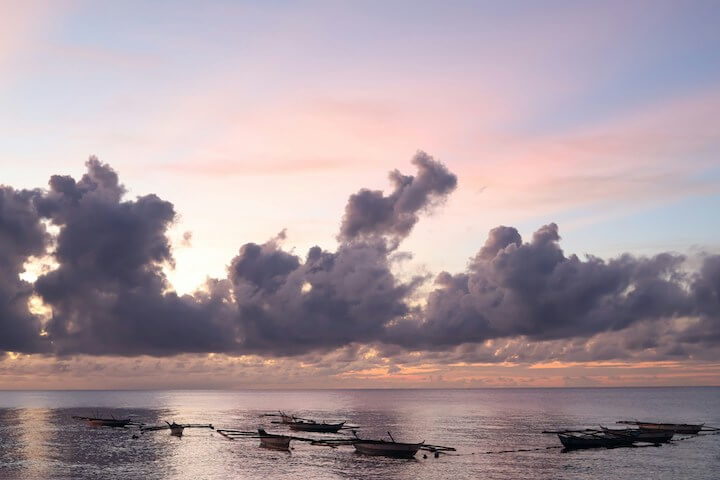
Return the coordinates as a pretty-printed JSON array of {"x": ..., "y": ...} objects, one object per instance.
[
  {"x": 371, "y": 214},
  {"x": 532, "y": 289},
  {"x": 329, "y": 300},
  {"x": 109, "y": 294},
  {"x": 22, "y": 235},
  {"x": 517, "y": 301}
]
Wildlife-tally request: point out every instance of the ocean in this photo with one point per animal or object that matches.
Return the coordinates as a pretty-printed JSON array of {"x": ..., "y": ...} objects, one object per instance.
[{"x": 40, "y": 440}]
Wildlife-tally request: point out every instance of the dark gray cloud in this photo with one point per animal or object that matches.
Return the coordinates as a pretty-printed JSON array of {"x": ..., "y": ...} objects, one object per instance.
[
  {"x": 532, "y": 289},
  {"x": 371, "y": 214},
  {"x": 706, "y": 298},
  {"x": 328, "y": 300},
  {"x": 110, "y": 296},
  {"x": 22, "y": 235}
]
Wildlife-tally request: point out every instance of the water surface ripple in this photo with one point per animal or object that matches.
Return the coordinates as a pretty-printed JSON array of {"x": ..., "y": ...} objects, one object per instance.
[{"x": 40, "y": 440}]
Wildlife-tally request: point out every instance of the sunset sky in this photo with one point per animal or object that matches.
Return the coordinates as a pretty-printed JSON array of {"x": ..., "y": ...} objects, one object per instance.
[{"x": 502, "y": 193}]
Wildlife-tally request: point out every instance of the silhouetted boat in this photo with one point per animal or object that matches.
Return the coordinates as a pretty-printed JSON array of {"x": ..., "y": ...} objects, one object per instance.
[
  {"x": 639, "y": 435},
  {"x": 386, "y": 449},
  {"x": 284, "y": 418},
  {"x": 272, "y": 441},
  {"x": 593, "y": 439},
  {"x": 313, "y": 426},
  {"x": 685, "y": 428},
  {"x": 104, "y": 422},
  {"x": 176, "y": 429}
]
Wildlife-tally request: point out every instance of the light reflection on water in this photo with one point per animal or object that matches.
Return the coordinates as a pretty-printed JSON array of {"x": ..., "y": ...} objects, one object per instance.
[{"x": 40, "y": 440}]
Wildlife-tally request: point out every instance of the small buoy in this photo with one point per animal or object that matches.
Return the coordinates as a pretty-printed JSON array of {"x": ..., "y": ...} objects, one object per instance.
[
  {"x": 424, "y": 455},
  {"x": 437, "y": 454}
]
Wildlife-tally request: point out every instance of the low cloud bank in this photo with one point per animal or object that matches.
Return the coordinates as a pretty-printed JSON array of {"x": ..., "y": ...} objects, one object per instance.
[{"x": 109, "y": 295}]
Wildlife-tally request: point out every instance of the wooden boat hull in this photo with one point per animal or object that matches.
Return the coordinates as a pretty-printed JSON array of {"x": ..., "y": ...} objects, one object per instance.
[
  {"x": 316, "y": 427},
  {"x": 672, "y": 427},
  {"x": 100, "y": 422},
  {"x": 387, "y": 449},
  {"x": 639, "y": 435},
  {"x": 576, "y": 442},
  {"x": 275, "y": 443}
]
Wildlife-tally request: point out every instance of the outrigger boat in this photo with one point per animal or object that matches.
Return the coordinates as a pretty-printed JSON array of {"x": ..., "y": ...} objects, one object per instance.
[
  {"x": 176, "y": 429},
  {"x": 267, "y": 440},
  {"x": 367, "y": 447},
  {"x": 305, "y": 424},
  {"x": 684, "y": 428},
  {"x": 313, "y": 426},
  {"x": 387, "y": 449},
  {"x": 574, "y": 440},
  {"x": 105, "y": 422},
  {"x": 639, "y": 435}
]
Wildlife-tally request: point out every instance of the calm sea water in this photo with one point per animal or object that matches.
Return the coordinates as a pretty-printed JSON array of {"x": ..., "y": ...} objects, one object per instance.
[{"x": 40, "y": 440}]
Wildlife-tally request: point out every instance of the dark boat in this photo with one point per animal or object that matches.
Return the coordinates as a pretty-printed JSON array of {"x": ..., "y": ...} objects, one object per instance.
[
  {"x": 593, "y": 439},
  {"x": 639, "y": 435},
  {"x": 104, "y": 422},
  {"x": 274, "y": 442},
  {"x": 176, "y": 429},
  {"x": 284, "y": 418},
  {"x": 312, "y": 426},
  {"x": 386, "y": 449},
  {"x": 685, "y": 428}
]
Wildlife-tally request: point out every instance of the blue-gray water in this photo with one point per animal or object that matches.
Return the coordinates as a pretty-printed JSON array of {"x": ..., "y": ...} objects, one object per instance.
[{"x": 40, "y": 440}]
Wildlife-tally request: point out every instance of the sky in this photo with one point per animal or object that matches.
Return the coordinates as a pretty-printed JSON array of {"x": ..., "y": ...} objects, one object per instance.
[{"x": 359, "y": 194}]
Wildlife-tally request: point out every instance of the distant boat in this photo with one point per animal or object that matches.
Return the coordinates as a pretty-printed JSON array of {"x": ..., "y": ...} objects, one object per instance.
[
  {"x": 284, "y": 418},
  {"x": 639, "y": 435},
  {"x": 274, "y": 442},
  {"x": 684, "y": 428},
  {"x": 104, "y": 422},
  {"x": 387, "y": 449},
  {"x": 176, "y": 429},
  {"x": 593, "y": 439},
  {"x": 313, "y": 426}
]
